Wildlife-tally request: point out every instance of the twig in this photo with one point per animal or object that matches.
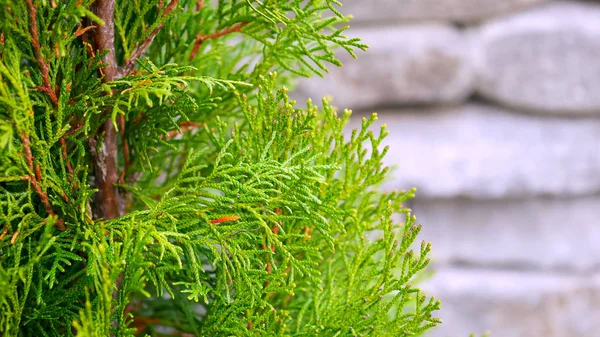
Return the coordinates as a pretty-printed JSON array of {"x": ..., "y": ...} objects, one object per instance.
[
  {"x": 80, "y": 31},
  {"x": 76, "y": 128},
  {"x": 5, "y": 231},
  {"x": 28, "y": 155},
  {"x": 200, "y": 38},
  {"x": 227, "y": 218},
  {"x": 63, "y": 145},
  {"x": 139, "y": 51},
  {"x": 14, "y": 237},
  {"x": 35, "y": 41},
  {"x": 184, "y": 127},
  {"x": 199, "y": 5},
  {"x": 34, "y": 183}
]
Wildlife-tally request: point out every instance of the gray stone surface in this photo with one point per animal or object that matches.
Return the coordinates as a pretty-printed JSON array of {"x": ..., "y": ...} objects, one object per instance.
[
  {"x": 404, "y": 65},
  {"x": 516, "y": 304},
  {"x": 543, "y": 60},
  {"x": 483, "y": 152},
  {"x": 461, "y": 11},
  {"x": 535, "y": 234}
]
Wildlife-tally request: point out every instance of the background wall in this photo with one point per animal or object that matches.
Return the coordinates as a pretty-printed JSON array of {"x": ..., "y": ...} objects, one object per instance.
[{"x": 493, "y": 108}]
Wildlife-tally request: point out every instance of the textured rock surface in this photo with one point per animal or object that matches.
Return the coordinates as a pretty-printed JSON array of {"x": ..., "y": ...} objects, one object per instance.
[
  {"x": 543, "y": 60},
  {"x": 404, "y": 65},
  {"x": 534, "y": 234},
  {"x": 462, "y": 11},
  {"x": 483, "y": 152},
  {"x": 516, "y": 304}
]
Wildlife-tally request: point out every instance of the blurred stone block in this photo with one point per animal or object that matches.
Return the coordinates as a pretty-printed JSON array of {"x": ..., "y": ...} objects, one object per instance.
[
  {"x": 460, "y": 11},
  {"x": 479, "y": 151},
  {"x": 533, "y": 234},
  {"x": 516, "y": 304},
  {"x": 404, "y": 65},
  {"x": 543, "y": 60}
]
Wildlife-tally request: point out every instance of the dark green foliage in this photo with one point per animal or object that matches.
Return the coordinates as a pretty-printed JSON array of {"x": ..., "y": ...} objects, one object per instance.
[{"x": 244, "y": 214}]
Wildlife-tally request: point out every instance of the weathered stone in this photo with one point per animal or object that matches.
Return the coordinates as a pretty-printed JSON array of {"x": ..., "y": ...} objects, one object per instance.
[
  {"x": 541, "y": 234},
  {"x": 543, "y": 60},
  {"x": 461, "y": 11},
  {"x": 484, "y": 152},
  {"x": 410, "y": 65},
  {"x": 516, "y": 304}
]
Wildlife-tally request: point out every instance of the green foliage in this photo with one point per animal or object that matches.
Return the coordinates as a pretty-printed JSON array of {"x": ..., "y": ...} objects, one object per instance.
[{"x": 244, "y": 214}]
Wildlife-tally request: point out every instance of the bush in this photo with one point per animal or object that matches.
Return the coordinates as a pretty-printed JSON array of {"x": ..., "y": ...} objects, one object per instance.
[{"x": 155, "y": 178}]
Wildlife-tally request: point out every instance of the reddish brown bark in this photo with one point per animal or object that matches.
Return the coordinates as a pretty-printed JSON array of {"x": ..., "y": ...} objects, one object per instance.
[{"x": 107, "y": 199}]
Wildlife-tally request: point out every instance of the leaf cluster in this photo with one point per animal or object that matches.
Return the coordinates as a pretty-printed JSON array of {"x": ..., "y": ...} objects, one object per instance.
[{"x": 244, "y": 214}]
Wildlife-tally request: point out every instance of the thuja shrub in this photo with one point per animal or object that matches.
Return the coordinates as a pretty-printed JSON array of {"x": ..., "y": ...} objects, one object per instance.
[{"x": 155, "y": 178}]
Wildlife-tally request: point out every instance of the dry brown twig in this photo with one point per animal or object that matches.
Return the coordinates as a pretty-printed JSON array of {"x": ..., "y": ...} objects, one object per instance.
[
  {"x": 200, "y": 38},
  {"x": 80, "y": 31},
  {"x": 46, "y": 87}
]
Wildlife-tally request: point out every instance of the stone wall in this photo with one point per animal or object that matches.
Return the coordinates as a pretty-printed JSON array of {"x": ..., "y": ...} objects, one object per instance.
[{"x": 493, "y": 108}]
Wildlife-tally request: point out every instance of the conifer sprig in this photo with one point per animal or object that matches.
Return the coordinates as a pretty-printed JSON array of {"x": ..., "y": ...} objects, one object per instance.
[{"x": 156, "y": 179}]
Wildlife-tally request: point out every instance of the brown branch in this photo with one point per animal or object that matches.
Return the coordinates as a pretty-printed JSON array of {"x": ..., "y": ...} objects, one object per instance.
[
  {"x": 200, "y": 38},
  {"x": 5, "y": 231},
  {"x": 80, "y": 31},
  {"x": 227, "y": 218},
  {"x": 46, "y": 87},
  {"x": 184, "y": 127},
  {"x": 141, "y": 49},
  {"x": 28, "y": 155},
  {"x": 38, "y": 174},
  {"x": 108, "y": 199},
  {"x": 63, "y": 145},
  {"x": 104, "y": 36},
  {"x": 76, "y": 128},
  {"x": 199, "y": 5},
  {"x": 14, "y": 237},
  {"x": 34, "y": 183}
]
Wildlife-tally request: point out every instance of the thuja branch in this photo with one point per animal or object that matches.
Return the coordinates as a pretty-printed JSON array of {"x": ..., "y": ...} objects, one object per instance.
[
  {"x": 46, "y": 87},
  {"x": 34, "y": 181},
  {"x": 108, "y": 198},
  {"x": 200, "y": 38},
  {"x": 141, "y": 49}
]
